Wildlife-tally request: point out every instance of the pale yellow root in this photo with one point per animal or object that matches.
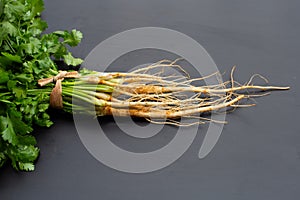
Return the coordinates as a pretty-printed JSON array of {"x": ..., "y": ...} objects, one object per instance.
[
  {"x": 151, "y": 95},
  {"x": 146, "y": 112}
]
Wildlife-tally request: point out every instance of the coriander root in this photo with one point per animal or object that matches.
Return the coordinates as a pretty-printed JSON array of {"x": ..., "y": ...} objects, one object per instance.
[{"x": 154, "y": 95}]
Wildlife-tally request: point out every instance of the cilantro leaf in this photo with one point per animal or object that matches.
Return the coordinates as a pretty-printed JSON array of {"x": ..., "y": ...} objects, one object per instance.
[
  {"x": 70, "y": 60},
  {"x": 7, "y": 28},
  {"x": 19, "y": 126},
  {"x": 26, "y": 166},
  {"x": 71, "y": 38},
  {"x": 36, "y": 7},
  {"x": 15, "y": 58},
  {"x": 4, "y": 76},
  {"x": 7, "y": 130}
]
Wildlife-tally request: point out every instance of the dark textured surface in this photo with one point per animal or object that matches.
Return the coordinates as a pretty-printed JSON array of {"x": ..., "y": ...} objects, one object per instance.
[{"x": 258, "y": 154}]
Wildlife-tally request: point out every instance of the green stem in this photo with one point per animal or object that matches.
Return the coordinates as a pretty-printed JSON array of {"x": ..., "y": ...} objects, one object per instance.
[{"x": 10, "y": 46}]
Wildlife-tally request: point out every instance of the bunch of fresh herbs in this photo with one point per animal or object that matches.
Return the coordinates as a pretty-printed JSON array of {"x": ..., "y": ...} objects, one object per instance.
[{"x": 26, "y": 56}]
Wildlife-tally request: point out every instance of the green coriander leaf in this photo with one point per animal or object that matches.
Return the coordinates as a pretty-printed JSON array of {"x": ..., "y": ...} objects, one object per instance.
[
  {"x": 43, "y": 107},
  {"x": 11, "y": 84},
  {"x": 70, "y": 60},
  {"x": 26, "y": 153},
  {"x": 28, "y": 66},
  {"x": 42, "y": 119},
  {"x": 19, "y": 92},
  {"x": 72, "y": 38},
  {"x": 26, "y": 166},
  {"x": 32, "y": 47},
  {"x": 7, "y": 132},
  {"x": 25, "y": 77},
  {"x": 37, "y": 26},
  {"x": 13, "y": 10},
  {"x": 2, "y": 159},
  {"x": 19, "y": 126},
  {"x": 36, "y": 6},
  {"x": 4, "y": 77},
  {"x": 7, "y": 28},
  {"x": 27, "y": 140},
  {"x": 14, "y": 58}
]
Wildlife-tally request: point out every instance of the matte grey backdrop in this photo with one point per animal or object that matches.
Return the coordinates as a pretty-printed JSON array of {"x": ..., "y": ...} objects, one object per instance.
[{"x": 258, "y": 154}]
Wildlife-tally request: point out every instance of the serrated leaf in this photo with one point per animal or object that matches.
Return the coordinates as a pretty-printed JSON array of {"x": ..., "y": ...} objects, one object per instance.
[
  {"x": 25, "y": 77},
  {"x": 14, "y": 58},
  {"x": 70, "y": 60},
  {"x": 26, "y": 153},
  {"x": 13, "y": 9},
  {"x": 37, "y": 6},
  {"x": 27, "y": 140},
  {"x": 20, "y": 127},
  {"x": 19, "y": 92},
  {"x": 4, "y": 76},
  {"x": 11, "y": 84},
  {"x": 2, "y": 159},
  {"x": 71, "y": 38},
  {"x": 32, "y": 47},
  {"x": 43, "y": 107},
  {"x": 3, "y": 123},
  {"x": 37, "y": 26},
  {"x": 26, "y": 166},
  {"x": 28, "y": 66},
  {"x": 8, "y": 133},
  {"x": 8, "y": 28},
  {"x": 43, "y": 119}
]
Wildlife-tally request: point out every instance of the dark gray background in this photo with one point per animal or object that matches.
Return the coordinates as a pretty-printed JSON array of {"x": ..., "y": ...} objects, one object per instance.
[{"x": 258, "y": 154}]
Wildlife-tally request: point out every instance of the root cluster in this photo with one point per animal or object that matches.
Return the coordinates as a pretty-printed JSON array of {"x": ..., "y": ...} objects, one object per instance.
[{"x": 161, "y": 92}]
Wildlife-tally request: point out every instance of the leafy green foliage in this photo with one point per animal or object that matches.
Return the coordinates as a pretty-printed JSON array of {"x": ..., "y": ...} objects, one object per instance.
[{"x": 26, "y": 56}]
